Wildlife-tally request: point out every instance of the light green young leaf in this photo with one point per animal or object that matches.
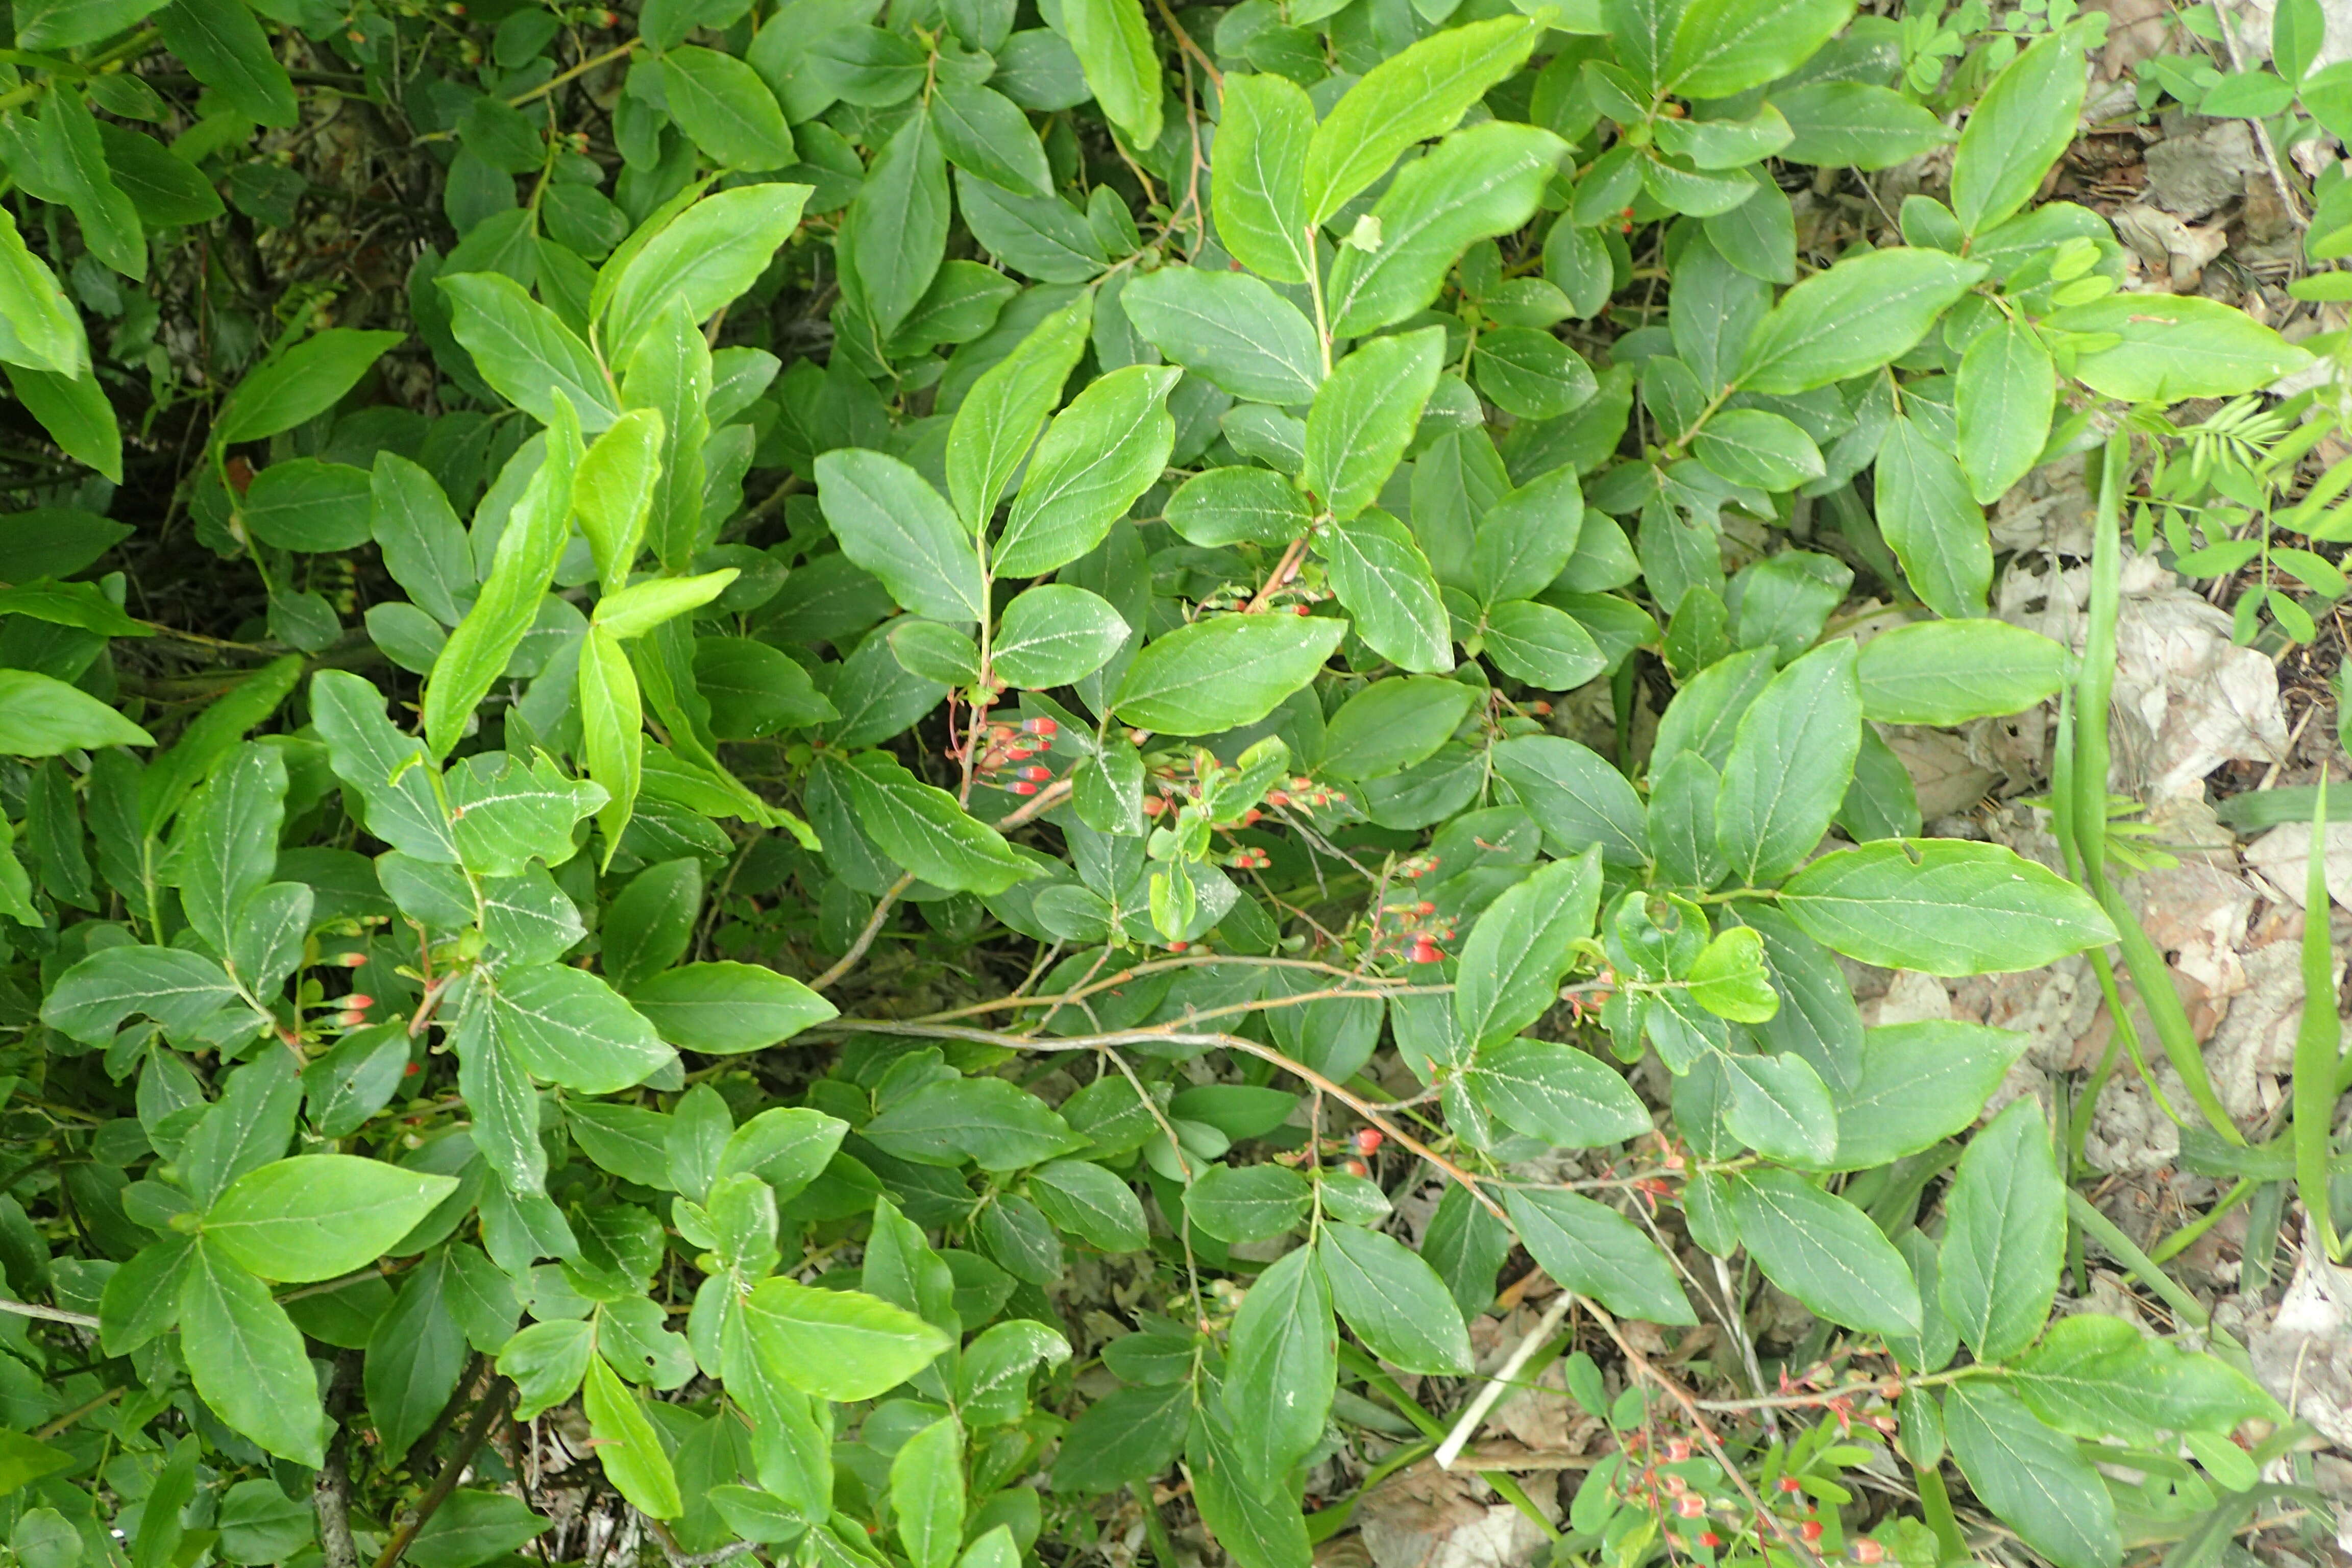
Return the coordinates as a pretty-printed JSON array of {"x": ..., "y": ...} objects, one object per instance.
[
  {"x": 2183, "y": 345},
  {"x": 705, "y": 257},
  {"x": 1100, "y": 454},
  {"x": 613, "y": 492},
  {"x": 1724, "y": 47},
  {"x": 45, "y": 330},
  {"x": 1577, "y": 796},
  {"x": 569, "y": 1027},
  {"x": 247, "y": 1357},
  {"x": 1512, "y": 962},
  {"x": 628, "y": 1448},
  {"x": 1224, "y": 671},
  {"x": 727, "y": 1008},
  {"x": 612, "y": 722},
  {"x": 487, "y": 639},
  {"x": 640, "y": 607},
  {"x": 926, "y": 1493},
  {"x": 1411, "y": 96},
  {"x": 42, "y": 717},
  {"x": 1555, "y": 1092},
  {"x": 838, "y": 1344},
  {"x": 722, "y": 104},
  {"x": 1365, "y": 415},
  {"x": 1943, "y": 906},
  {"x": 2099, "y": 1378}
]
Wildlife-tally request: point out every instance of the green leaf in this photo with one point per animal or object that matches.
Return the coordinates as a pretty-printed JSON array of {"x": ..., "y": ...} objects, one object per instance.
[
  {"x": 1527, "y": 538},
  {"x": 893, "y": 524},
  {"x": 1542, "y": 645},
  {"x": 1530, "y": 374},
  {"x": 1412, "y": 96},
  {"x": 983, "y": 132},
  {"x": 1825, "y": 1252},
  {"x": 1943, "y": 906},
  {"x": 1932, "y": 522},
  {"x": 386, "y": 768},
  {"x": 705, "y": 257},
  {"x": 418, "y": 530},
  {"x": 45, "y": 330},
  {"x": 1555, "y": 1092},
  {"x": 924, "y": 829},
  {"x": 725, "y": 109},
  {"x": 895, "y": 234},
  {"x": 1856, "y": 124},
  {"x": 309, "y": 378},
  {"x": 1763, "y": 450},
  {"x": 1577, "y": 797},
  {"x": 726, "y": 1008},
  {"x": 1593, "y": 1250},
  {"x": 1130, "y": 1434},
  {"x": 1395, "y": 1302},
  {"x": 1511, "y": 964},
  {"x": 1224, "y": 671},
  {"x": 245, "y": 1356},
  {"x": 64, "y": 23},
  {"x": 1247, "y": 1203},
  {"x": 1855, "y": 317},
  {"x": 525, "y": 352},
  {"x": 317, "y": 1216},
  {"x": 475, "y": 1527},
  {"x": 1258, "y": 168},
  {"x": 1236, "y": 506},
  {"x": 641, "y": 607},
  {"x": 2005, "y": 393},
  {"x": 2004, "y": 1233},
  {"x": 1115, "y": 50},
  {"x": 568, "y": 1027},
  {"x": 627, "y": 1445},
  {"x": 227, "y": 840},
  {"x": 1043, "y": 237},
  {"x": 1726, "y": 47},
  {"x": 1282, "y": 1366},
  {"x": 1790, "y": 761},
  {"x": 1475, "y": 183},
  {"x": 178, "y": 989},
  {"x": 1948, "y": 672},
  {"x": 1089, "y": 1202},
  {"x": 168, "y": 190},
  {"x": 546, "y": 1362},
  {"x": 1385, "y": 583},
  {"x": 1917, "y": 1084},
  {"x": 2018, "y": 128},
  {"x": 1392, "y": 724},
  {"x": 787, "y": 1147},
  {"x": 76, "y": 413},
  {"x": 2101, "y": 1378},
  {"x": 1230, "y": 329},
  {"x": 533, "y": 539},
  {"x": 1100, "y": 454},
  {"x": 415, "y": 1354},
  {"x": 838, "y": 1344},
  {"x": 1054, "y": 634},
  {"x": 506, "y": 813},
  {"x": 1365, "y": 415},
  {"x": 613, "y": 492},
  {"x": 996, "y": 1124},
  {"x": 224, "y": 47},
  {"x": 2035, "y": 1479},
  {"x": 41, "y": 717},
  {"x": 926, "y": 1493},
  {"x": 305, "y": 504},
  {"x": 1729, "y": 978},
  {"x": 998, "y": 417},
  {"x": 649, "y": 924},
  {"x": 2183, "y": 345}
]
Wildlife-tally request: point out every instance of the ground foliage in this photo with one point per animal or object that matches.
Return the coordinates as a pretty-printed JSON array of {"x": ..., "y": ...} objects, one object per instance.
[{"x": 1053, "y": 557}]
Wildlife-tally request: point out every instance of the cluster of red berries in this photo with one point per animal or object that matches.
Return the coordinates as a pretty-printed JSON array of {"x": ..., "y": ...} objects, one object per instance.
[
  {"x": 1248, "y": 859},
  {"x": 1411, "y": 940},
  {"x": 1665, "y": 1491},
  {"x": 1366, "y": 1143},
  {"x": 1305, "y": 792},
  {"x": 1009, "y": 749}
]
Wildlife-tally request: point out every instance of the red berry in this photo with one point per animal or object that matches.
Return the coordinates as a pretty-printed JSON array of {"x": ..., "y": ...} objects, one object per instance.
[
  {"x": 1040, "y": 726},
  {"x": 1709, "y": 1539},
  {"x": 1355, "y": 1168},
  {"x": 1810, "y": 1532},
  {"x": 1023, "y": 788},
  {"x": 352, "y": 960},
  {"x": 1276, "y": 797},
  {"x": 1690, "y": 1505},
  {"x": 1368, "y": 1141},
  {"x": 1866, "y": 1551},
  {"x": 1036, "y": 771},
  {"x": 1791, "y": 1484}
]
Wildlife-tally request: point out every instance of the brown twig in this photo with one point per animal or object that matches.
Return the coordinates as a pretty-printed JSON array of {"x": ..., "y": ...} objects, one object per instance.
[
  {"x": 1184, "y": 42},
  {"x": 477, "y": 1431},
  {"x": 864, "y": 938},
  {"x": 331, "y": 1495}
]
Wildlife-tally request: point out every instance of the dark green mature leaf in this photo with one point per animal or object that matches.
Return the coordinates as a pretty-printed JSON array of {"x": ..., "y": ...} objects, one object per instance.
[
  {"x": 1000, "y": 416},
  {"x": 1098, "y": 457},
  {"x": 1477, "y": 182},
  {"x": 1825, "y": 1252},
  {"x": 1790, "y": 761},
  {"x": 2018, "y": 130},
  {"x": 1283, "y": 1364},
  {"x": 1578, "y": 798},
  {"x": 526, "y": 352},
  {"x": 893, "y": 524},
  {"x": 2005, "y": 1234},
  {"x": 2033, "y": 1478},
  {"x": 223, "y": 47},
  {"x": 723, "y": 105},
  {"x": 1595, "y": 1251},
  {"x": 1385, "y": 583},
  {"x": 1557, "y": 1092},
  {"x": 1412, "y": 96},
  {"x": 1364, "y": 416},
  {"x": 1919, "y": 1083},
  {"x": 1115, "y": 48},
  {"x": 1396, "y": 1303},
  {"x": 1258, "y": 165},
  {"x": 1932, "y": 522},
  {"x": 247, "y": 1357},
  {"x": 1855, "y": 317},
  {"x": 924, "y": 829},
  {"x": 317, "y": 1216},
  {"x": 726, "y": 1008},
  {"x": 1511, "y": 965},
  {"x": 305, "y": 381},
  {"x": 1230, "y": 329}
]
